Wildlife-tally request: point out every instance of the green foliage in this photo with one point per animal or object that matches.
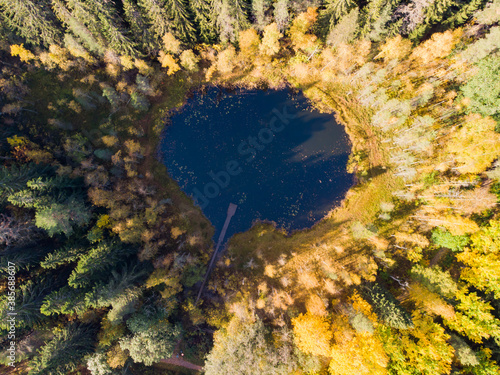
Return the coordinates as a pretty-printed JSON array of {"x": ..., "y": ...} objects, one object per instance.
[
  {"x": 337, "y": 9},
  {"x": 483, "y": 89},
  {"x": 374, "y": 19},
  {"x": 204, "y": 19},
  {"x": 436, "y": 280},
  {"x": 259, "y": 10},
  {"x": 156, "y": 15},
  {"x": 112, "y": 96},
  {"x": 388, "y": 308},
  {"x": 138, "y": 26},
  {"x": 180, "y": 22},
  {"x": 58, "y": 217},
  {"x": 345, "y": 29},
  {"x": 441, "y": 237},
  {"x": 242, "y": 348},
  {"x": 98, "y": 365},
  {"x": 231, "y": 17},
  {"x": 14, "y": 178},
  {"x": 153, "y": 344},
  {"x": 97, "y": 261},
  {"x": 65, "y": 351},
  {"x": 65, "y": 300},
  {"x": 139, "y": 101},
  {"x": 61, "y": 256},
  {"x": 29, "y": 298},
  {"x": 463, "y": 352},
  {"x": 482, "y": 259},
  {"x": 32, "y": 20}
]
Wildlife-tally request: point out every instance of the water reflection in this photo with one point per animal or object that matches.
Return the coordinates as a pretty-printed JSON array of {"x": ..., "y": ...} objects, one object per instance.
[{"x": 266, "y": 151}]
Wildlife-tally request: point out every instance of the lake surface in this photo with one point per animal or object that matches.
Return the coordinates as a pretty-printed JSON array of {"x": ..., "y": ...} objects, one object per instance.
[{"x": 269, "y": 152}]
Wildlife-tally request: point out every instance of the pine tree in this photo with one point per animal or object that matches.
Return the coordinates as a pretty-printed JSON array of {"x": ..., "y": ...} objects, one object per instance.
[
  {"x": 180, "y": 23},
  {"x": 138, "y": 26},
  {"x": 14, "y": 178},
  {"x": 464, "y": 13},
  {"x": 231, "y": 18},
  {"x": 205, "y": 19},
  {"x": 33, "y": 20},
  {"x": 374, "y": 18},
  {"x": 64, "y": 352},
  {"x": 65, "y": 300},
  {"x": 344, "y": 31},
  {"x": 435, "y": 13},
  {"x": 259, "y": 12},
  {"x": 93, "y": 42},
  {"x": 388, "y": 308},
  {"x": 61, "y": 256},
  {"x": 96, "y": 261},
  {"x": 29, "y": 301},
  {"x": 111, "y": 27},
  {"x": 281, "y": 14},
  {"x": 336, "y": 9},
  {"x": 156, "y": 14}
]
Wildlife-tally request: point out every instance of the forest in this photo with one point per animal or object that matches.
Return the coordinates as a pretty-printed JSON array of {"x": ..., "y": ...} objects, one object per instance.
[{"x": 102, "y": 255}]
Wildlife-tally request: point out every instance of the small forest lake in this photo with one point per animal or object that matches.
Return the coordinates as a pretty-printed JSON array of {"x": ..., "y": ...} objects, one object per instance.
[{"x": 269, "y": 152}]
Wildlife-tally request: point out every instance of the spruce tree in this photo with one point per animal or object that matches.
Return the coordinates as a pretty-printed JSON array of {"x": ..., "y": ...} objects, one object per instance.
[
  {"x": 231, "y": 18},
  {"x": 33, "y": 20},
  {"x": 388, "y": 308},
  {"x": 281, "y": 14},
  {"x": 204, "y": 18},
  {"x": 111, "y": 27},
  {"x": 464, "y": 13},
  {"x": 336, "y": 9},
  {"x": 75, "y": 26},
  {"x": 179, "y": 20},
  {"x": 139, "y": 27},
  {"x": 156, "y": 15},
  {"x": 435, "y": 13},
  {"x": 374, "y": 18},
  {"x": 259, "y": 10},
  {"x": 65, "y": 351}
]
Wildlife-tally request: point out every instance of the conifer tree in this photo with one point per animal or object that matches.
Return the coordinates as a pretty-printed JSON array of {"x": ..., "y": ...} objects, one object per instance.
[
  {"x": 179, "y": 20},
  {"x": 92, "y": 41},
  {"x": 336, "y": 9},
  {"x": 345, "y": 30},
  {"x": 231, "y": 18},
  {"x": 111, "y": 27},
  {"x": 138, "y": 26},
  {"x": 388, "y": 308},
  {"x": 466, "y": 10},
  {"x": 435, "y": 12},
  {"x": 259, "y": 10},
  {"x": 91, "y": 266},
  {"x": 64, "y": 352},
  {"x": 281, "y": 14},
  {"x": 33, "y": 20},
  {"x": 374, "y": 18},
  {"x": 156, "y": 15},
  {"x": 204, "y": 18}
]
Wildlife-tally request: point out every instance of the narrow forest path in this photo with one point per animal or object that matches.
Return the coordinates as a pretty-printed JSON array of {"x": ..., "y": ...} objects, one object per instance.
[{"x": 181, "y": 362}]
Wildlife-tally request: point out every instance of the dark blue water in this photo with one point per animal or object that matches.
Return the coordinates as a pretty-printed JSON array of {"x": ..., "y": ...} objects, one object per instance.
[{"x": 268, "y": 152}]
